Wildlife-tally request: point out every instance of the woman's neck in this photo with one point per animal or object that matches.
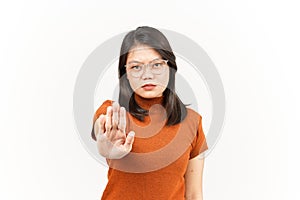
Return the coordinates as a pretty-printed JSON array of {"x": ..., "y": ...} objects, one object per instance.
[{"x": 146, "y": 103}]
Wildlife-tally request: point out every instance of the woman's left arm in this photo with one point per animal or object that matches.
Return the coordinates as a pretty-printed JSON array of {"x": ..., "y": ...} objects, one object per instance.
[{"x": 193, "y": 179}]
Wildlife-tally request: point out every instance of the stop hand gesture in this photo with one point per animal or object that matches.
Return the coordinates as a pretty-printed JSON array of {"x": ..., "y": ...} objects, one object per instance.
[{"x": 112, "y": 141}]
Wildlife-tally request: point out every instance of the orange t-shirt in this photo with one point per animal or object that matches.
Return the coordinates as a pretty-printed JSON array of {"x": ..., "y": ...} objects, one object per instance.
[{"x": 155, "y": 167}]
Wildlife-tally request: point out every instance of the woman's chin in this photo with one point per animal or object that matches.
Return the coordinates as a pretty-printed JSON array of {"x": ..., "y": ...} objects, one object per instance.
[{"x": 148, "y": 94}]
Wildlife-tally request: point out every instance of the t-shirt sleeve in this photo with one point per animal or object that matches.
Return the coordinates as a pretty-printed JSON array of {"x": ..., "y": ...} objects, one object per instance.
[
  {"x": 199, "y": 144},
  {"x": 101, "y": 110}
]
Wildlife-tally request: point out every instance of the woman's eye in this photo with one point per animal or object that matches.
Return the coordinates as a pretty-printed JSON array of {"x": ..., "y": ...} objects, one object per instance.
[
  {"x": 136, "y": 67},
  {"x": 157, "y": 64}
]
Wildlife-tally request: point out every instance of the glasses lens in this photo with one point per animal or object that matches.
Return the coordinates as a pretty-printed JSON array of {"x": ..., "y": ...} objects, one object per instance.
[
  {"x": 158, "y": 66},
  {"x": 135, "y": 69}
]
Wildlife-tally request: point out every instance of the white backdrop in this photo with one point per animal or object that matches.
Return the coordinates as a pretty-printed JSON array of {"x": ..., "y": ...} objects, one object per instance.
[{"x": 254, "y": 45}]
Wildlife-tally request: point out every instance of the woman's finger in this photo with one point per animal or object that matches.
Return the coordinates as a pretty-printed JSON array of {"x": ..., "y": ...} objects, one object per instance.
[
  {"x": 122, "y": 120},
  {"x": 108, "y": 125},
  {"x": 129, "y": 141},
  {"x": 100, "y": 130},
  {"x": 102, "y": 123},
  {"x": 115, "y": 115}
]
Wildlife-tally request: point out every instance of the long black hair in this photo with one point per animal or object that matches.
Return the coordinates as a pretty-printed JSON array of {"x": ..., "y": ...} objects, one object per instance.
[{"x": 148, "y": 36}]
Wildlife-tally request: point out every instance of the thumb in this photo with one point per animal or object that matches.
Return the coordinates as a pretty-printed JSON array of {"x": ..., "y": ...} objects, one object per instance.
[{"x": 129, "y": 140}]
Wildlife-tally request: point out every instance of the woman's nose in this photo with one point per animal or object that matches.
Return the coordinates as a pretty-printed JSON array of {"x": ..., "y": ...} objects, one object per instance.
[{"x": 147, "y": 72}]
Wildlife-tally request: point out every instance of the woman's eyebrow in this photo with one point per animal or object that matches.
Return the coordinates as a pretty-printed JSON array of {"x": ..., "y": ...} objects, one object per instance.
[{"x": 136, "y": 61}]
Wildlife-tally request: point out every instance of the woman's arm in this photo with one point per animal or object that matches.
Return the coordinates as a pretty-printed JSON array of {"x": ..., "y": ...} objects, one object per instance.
[{"x": 193, "y": 179}]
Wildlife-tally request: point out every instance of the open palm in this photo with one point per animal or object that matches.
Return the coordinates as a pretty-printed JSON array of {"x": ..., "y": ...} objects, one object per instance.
[{"x": 112, "y": 141}]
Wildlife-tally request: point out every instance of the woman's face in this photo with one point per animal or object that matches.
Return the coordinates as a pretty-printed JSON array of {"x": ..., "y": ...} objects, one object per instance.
[{"x": 147, "y": 83}]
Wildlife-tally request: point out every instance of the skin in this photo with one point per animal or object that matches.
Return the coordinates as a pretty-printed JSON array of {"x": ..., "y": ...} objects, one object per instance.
[
  {"x": 114, "y": 143},
  {"x": 144, "y": 54},
  {"x": 193, "y": 179}
]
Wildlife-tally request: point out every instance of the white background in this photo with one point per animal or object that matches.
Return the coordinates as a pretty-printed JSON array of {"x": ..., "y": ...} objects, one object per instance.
[{"x": 254, "y": 45}]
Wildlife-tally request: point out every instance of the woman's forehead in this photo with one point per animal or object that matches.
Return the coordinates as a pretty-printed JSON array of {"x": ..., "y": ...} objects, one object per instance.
[{"x": 142, "y": 54}]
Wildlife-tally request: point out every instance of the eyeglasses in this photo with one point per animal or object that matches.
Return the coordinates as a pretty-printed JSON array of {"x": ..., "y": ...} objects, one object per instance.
[{"x": 157, "y": 66}]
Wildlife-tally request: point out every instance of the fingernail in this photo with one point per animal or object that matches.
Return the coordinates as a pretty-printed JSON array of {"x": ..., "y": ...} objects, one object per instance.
[{"x": 131, "y": 134}]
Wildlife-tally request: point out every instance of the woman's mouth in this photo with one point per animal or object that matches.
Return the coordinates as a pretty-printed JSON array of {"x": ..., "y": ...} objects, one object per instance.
[{"x": 148, "y": 86}]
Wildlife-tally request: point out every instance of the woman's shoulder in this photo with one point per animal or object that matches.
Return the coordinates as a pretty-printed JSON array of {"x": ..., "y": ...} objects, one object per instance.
[
  {"x": 106, "y": 103},
  {"x": 192, "y": 113},
  {"x": 102, "y": 108},
  {"x": 193, "y": 116}
]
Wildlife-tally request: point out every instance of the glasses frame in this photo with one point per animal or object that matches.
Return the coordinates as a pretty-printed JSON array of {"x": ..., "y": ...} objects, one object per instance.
[{"x": 146, "y": 65}]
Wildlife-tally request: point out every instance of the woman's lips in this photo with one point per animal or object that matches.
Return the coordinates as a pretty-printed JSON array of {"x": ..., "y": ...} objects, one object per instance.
[{"x": 148, "y": 87}]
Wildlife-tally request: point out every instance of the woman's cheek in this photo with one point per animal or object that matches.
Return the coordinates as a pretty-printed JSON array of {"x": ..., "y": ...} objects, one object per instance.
[{"x": 132, "y": 84}]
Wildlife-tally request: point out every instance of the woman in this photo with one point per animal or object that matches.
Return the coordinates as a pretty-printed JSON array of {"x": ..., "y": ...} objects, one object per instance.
[{"x": 152, "y": 142}]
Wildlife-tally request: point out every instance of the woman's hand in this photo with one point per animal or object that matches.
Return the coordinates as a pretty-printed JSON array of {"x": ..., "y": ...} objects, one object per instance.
[{"x": 110, "y": 133}]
